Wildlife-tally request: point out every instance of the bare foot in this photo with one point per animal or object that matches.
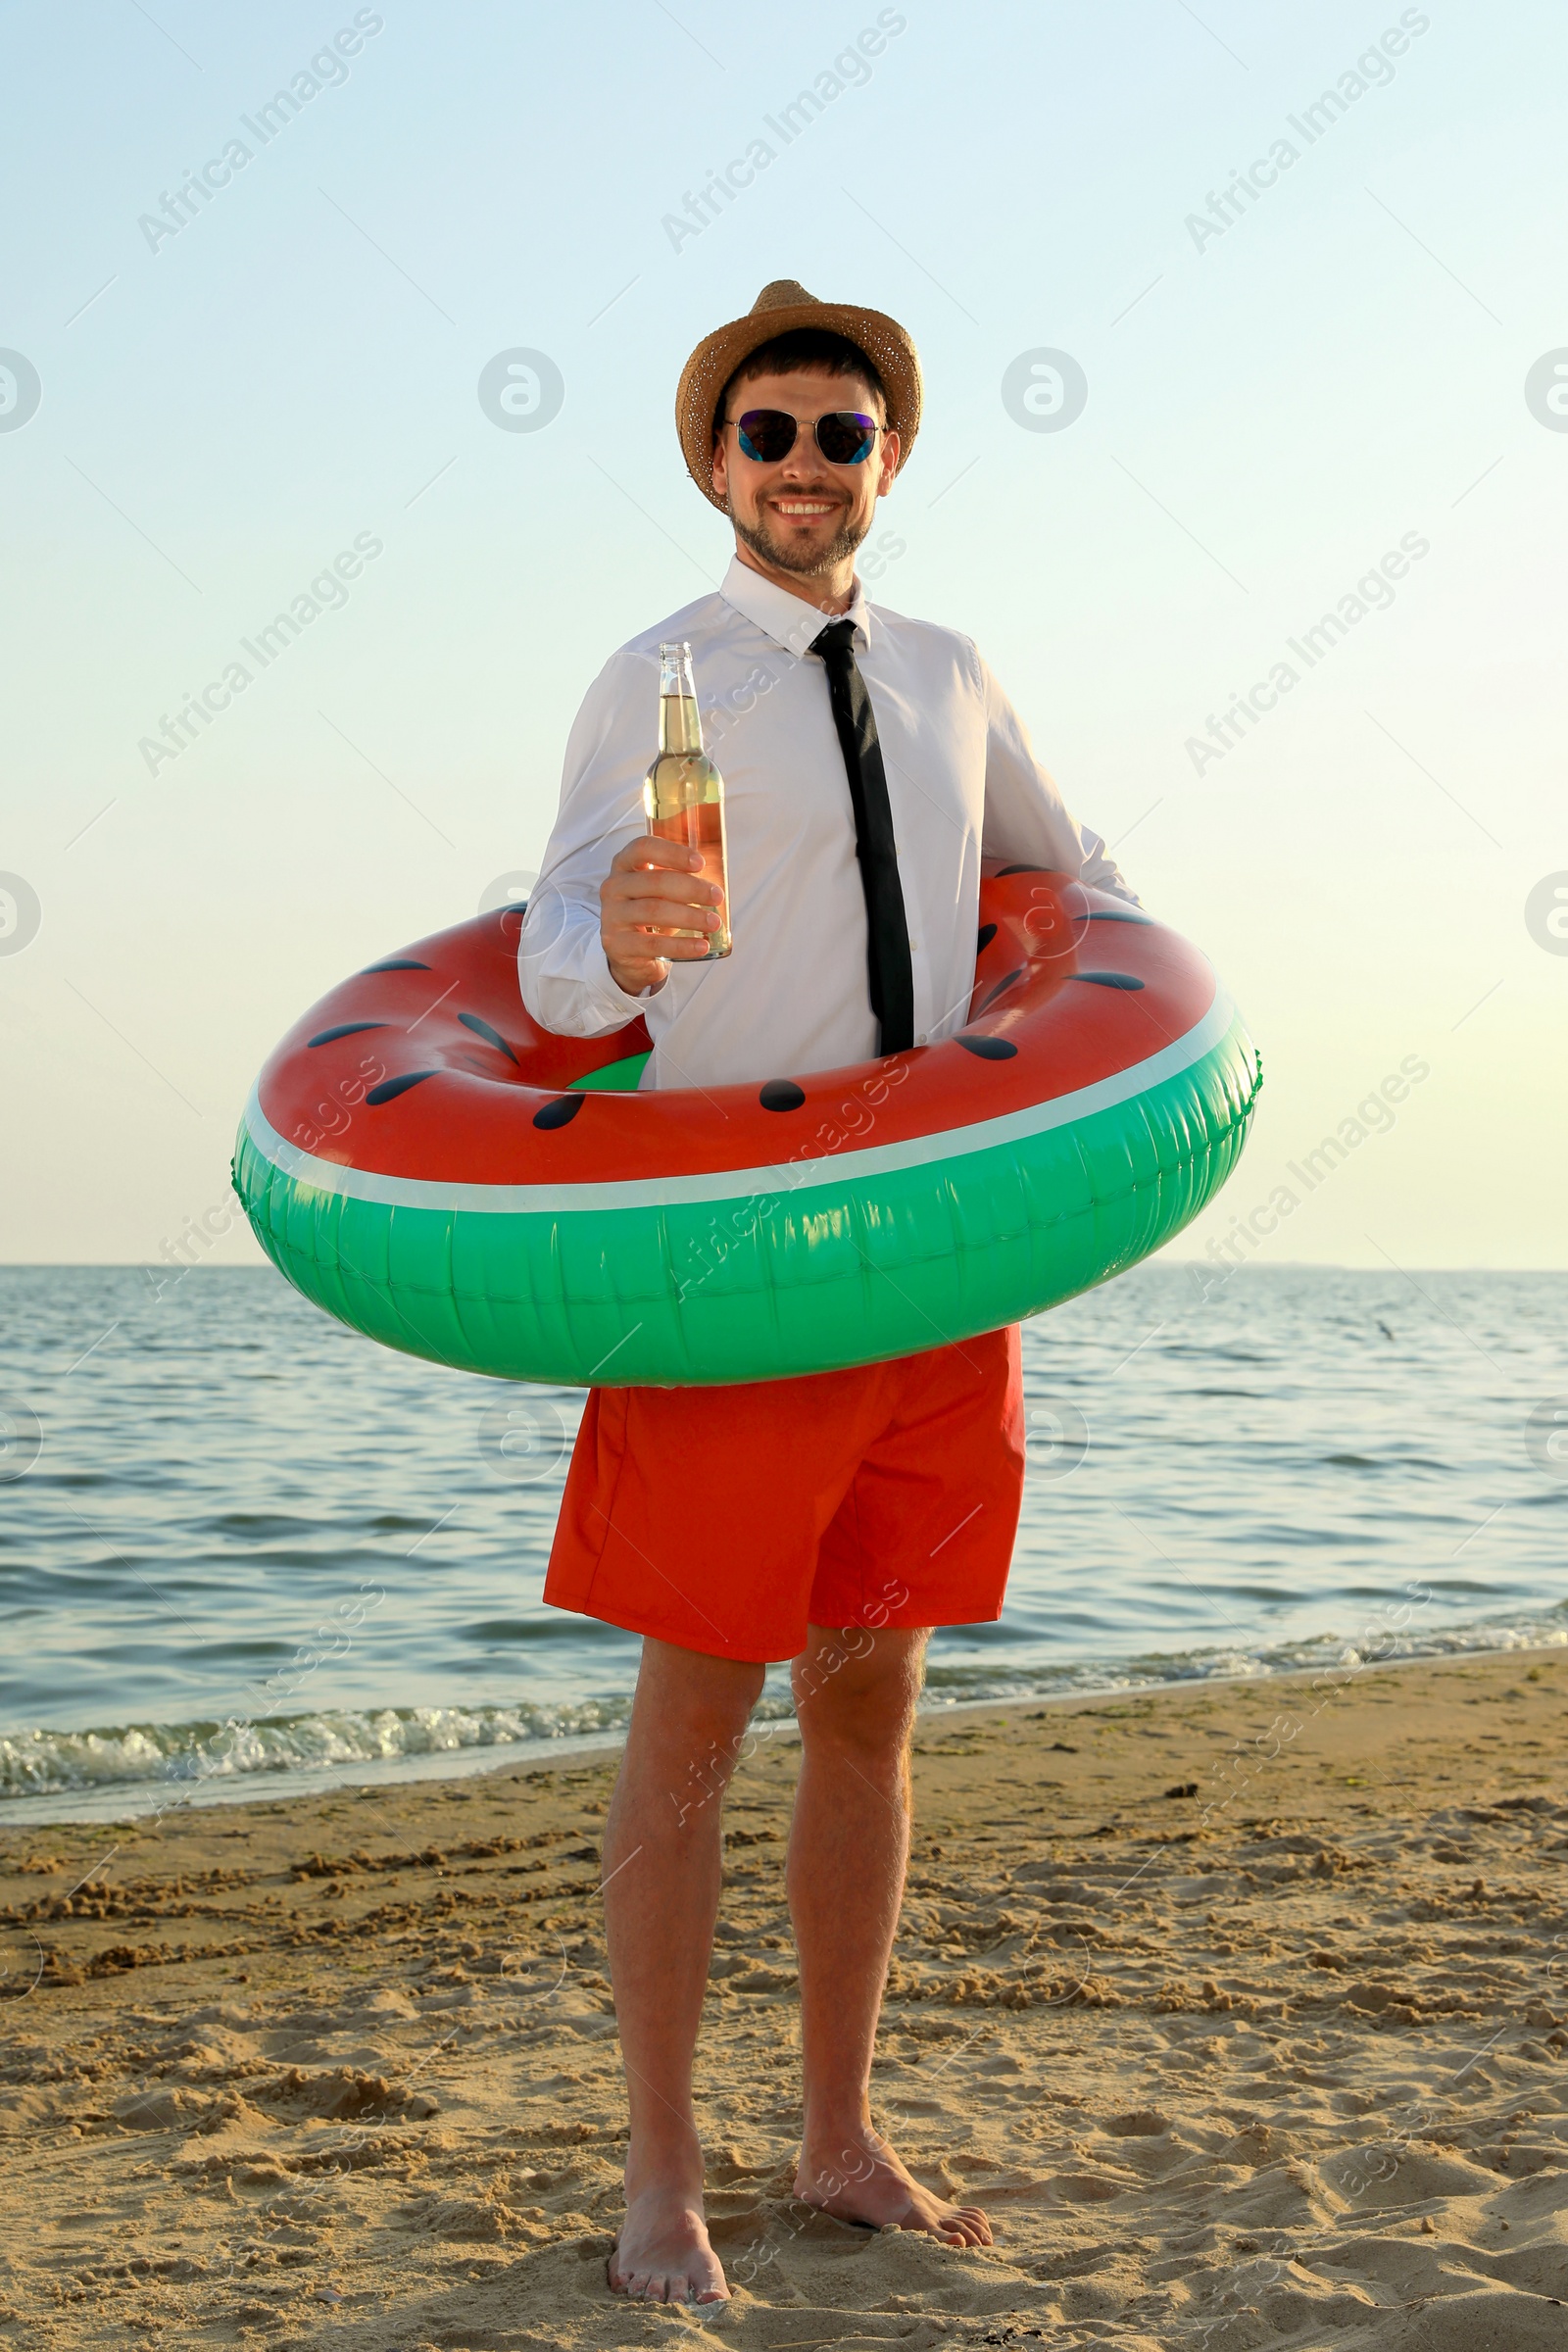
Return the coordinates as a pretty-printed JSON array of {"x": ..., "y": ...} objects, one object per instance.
[
  {"x": 662, "y": 2254},
  {"x": 862, "y": 2179}
]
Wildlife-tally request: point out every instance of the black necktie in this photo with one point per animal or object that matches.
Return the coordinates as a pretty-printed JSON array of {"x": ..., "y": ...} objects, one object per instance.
[{"x": 887, "y": 943}]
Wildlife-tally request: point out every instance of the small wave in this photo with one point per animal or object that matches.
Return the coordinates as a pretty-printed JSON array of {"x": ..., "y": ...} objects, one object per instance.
[
  {"x": 187, "y": 1757},
  {"x": 50, "y": 1763},
  {"x": 1381, "y": 1641}
]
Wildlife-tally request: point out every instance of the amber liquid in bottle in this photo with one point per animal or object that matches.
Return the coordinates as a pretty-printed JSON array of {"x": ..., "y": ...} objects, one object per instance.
[{"x": 684, "y": 794}]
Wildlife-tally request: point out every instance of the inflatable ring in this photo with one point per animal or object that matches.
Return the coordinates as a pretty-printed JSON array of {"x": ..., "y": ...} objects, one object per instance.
[{"x": 423, "y": 1161}]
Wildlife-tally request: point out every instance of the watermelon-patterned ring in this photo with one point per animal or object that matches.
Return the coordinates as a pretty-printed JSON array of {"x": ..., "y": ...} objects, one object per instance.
[{"x": 426, "y": 1163}]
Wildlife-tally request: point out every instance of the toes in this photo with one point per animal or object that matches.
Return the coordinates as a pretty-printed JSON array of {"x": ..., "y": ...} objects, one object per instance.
[
  {"x": 964, "y": 2225},
  {"x": 693, "y": 2292},
  {"x": 634, "y": 2285}
]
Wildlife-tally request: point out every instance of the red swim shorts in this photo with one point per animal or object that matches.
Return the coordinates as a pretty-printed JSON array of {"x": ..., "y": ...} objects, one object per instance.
[{"x": 728, "y": 1519}]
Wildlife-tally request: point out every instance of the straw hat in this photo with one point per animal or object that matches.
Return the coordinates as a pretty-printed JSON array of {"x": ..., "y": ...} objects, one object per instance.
[{"x": 778, "y": 308}]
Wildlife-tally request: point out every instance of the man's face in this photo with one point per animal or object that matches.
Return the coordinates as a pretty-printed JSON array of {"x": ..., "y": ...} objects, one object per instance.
[{"x": 802, "y": 515}]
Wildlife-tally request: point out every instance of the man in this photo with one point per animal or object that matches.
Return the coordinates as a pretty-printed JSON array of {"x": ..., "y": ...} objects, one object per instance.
[{"x": 867, "y": 760}]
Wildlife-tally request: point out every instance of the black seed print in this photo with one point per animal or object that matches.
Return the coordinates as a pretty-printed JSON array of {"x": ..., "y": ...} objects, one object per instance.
[
  {"x": 390, "y": 1088},
  {"x": 992, "y": 994},
  {"x": 560, "y": 1112},
  {"x": 492, "y": 1037},
  {"x": 328, "y": 1037}
]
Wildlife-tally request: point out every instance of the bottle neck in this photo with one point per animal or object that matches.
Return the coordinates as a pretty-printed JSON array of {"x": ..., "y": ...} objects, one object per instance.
[{"x": 680, "y": 729}]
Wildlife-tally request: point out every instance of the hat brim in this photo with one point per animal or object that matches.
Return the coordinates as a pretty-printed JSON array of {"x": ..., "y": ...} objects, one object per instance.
[{"x": 715, "y": 361}]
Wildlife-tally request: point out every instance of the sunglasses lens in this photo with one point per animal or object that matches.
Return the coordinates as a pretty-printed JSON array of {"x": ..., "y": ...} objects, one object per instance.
[
  {"x": 845, "y": 438},
  {"x": 765, "y": 434}
]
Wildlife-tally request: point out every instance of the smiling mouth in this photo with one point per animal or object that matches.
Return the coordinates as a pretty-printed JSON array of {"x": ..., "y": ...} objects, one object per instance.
[{"x": 804, "y": 509}]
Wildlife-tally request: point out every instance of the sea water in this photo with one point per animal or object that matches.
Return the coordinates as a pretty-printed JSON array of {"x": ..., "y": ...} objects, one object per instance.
[{"x": 244, "y": 1550}]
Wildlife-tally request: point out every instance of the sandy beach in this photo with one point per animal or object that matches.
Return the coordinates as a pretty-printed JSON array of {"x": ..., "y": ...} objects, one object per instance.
[{"x": 1243, "y": 2008}]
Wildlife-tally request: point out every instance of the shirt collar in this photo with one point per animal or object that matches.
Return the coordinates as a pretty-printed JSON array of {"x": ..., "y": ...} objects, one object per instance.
[{"x": 784, "y": 618}]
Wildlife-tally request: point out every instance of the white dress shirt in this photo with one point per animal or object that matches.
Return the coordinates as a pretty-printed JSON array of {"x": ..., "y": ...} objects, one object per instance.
[{"x": 792, "y": 994}]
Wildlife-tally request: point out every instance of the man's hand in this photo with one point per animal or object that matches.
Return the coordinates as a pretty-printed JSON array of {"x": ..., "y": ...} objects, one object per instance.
[{"x": 651, "y": 894}]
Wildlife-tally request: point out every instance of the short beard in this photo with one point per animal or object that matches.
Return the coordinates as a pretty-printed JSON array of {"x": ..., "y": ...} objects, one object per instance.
[{"x": 760, "y": 541}]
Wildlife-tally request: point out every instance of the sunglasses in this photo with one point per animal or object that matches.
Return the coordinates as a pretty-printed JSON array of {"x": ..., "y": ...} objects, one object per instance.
[{"x": 769, "y": 434}]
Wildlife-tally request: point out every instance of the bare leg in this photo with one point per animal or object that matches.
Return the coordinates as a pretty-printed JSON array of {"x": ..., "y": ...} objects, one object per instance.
[
  {"x": 661, "y": 1880},
  {"x": 848, "y": 1850}
]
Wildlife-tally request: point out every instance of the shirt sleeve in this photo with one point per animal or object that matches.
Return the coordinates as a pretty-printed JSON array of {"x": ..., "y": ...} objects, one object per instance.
[
  {"x": 1026, "y": 816},
  {"x": 562, "y": 969}
]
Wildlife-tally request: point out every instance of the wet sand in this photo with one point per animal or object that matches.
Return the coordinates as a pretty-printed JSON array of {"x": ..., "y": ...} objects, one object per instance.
[{"x": 1243, "y": 2008}]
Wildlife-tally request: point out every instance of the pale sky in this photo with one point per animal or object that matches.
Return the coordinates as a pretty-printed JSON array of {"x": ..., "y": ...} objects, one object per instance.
[{"x": 1280, "y": 393}]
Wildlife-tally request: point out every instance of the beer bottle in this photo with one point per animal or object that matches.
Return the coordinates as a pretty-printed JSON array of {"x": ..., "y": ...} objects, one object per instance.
[{"x": 684, "y": 794}]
